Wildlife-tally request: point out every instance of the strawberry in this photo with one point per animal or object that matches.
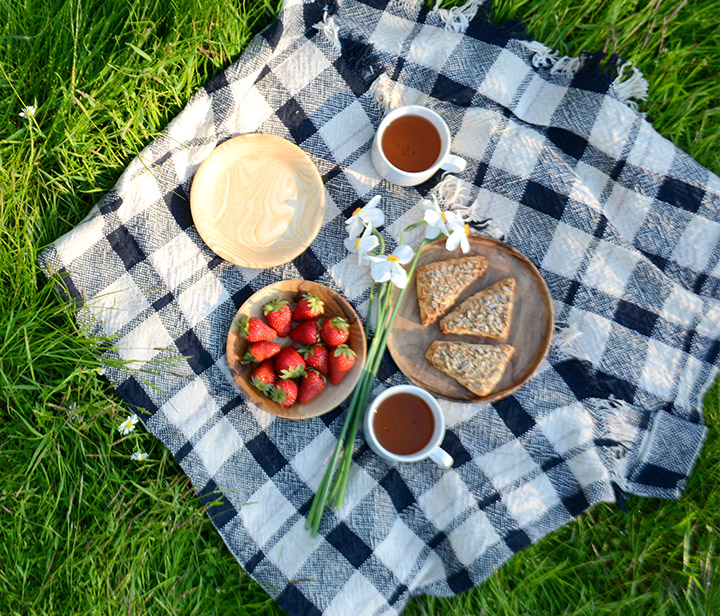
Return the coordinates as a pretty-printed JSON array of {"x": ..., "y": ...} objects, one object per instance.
[
  {"x": 289, "y": 364},
  {"x": 263, "y": 377},
  {"x": 278, "y": 315},
  {"x": 335, "y": 331},
  {"x": 310, "y": 386},
  {"x": 307, "y": 332},
  {"x": 255, "y": 330},
  {"x": 341, "y": 360},
  {"x": 316, "y": 357},
  {"x": 285, "y": 392},
  {"x": 309, "y": 307},
  {"x": 260, "y": 351}
]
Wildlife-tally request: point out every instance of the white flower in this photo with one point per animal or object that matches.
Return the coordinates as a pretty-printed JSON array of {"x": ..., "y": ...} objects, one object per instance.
[
  {"x": 458, "y": 233},
  {"x": 362, "y": 244},
  {"x": 128, "y": 425},
  {"x": 435, "y": 219},
  {"x": 27, "y": 112},
  {"x": 389, "y": 267},
  {"x": 364, "y": 217},
  {"x": 137, "y": 455}
]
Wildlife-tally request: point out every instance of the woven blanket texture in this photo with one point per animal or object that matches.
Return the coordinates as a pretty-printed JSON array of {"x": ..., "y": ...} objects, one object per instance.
[{"x": 624, "y": 227}]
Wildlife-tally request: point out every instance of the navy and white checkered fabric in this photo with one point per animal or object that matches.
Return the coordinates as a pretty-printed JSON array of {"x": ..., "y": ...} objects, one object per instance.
[{"x": 624, "y": 227}]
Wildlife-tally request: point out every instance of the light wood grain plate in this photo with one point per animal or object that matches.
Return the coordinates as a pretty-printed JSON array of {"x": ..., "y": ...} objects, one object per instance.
[
  {"x": 335, "y": 305},
  {"x": 530, "y": 333},
  {"x": 257, "y": 200}
]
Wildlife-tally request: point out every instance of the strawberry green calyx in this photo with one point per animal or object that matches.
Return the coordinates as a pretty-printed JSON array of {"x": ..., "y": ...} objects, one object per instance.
[
  {"x": 276, "y": 305},
  {"x": 314, "y": 302},
  {"x": 294, "y": 372}
]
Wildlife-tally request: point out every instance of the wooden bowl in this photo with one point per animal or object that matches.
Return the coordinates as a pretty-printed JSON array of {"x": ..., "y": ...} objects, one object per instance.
[
  {"x": 530, "y": 333},
  {"x": 257, "y": 200},
  {"x": 335, "y": 305}
]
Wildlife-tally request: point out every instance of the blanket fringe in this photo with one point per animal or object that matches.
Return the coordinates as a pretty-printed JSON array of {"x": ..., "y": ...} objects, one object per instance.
[
  {"x": 633, "y": 87},
  {"x": 544, "y": 57},
  {"x": 610, "y": 413},
  {"x": 455, "y": 194},
  {"x": 629, "y": 89},
  {"x": 566, "y": 341},
  {"x": 458, "y": 18},
  {"x": 330, "y": 29},
  {"x": 387, "y": 95}
]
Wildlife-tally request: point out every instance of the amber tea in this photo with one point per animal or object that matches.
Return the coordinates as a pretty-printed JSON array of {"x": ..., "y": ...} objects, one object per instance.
[
  {"x": 411, "y": 143},
  {"x": 403, "y": 424}
]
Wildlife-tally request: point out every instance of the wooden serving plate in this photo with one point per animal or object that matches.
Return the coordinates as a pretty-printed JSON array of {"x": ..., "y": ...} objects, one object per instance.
[
  {"x": 257, "y": 200},
  {"x": 530, "y": 333},
  {"x": 335, "y": 305}
]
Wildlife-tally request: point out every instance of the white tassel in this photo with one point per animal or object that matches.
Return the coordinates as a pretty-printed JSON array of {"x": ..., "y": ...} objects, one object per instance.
[
  {"x": 634, "y": 87},
  {"x": 566, "y": 341},
  {"x": 385, "y": 93},
  {"x": 330, "y": 29},
  {"x": 457, "y": 18},
  {"x": 611, "y": 413},
  {"x": 543, "y": 56},
  {"x": 567, "y": 66},
  {"x": 454, "y": 193}
]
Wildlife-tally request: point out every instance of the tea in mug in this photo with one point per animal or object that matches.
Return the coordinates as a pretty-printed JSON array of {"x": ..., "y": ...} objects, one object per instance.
[
  {"x": 411, "y": 143},
  {"x": 403, "y": 424}
]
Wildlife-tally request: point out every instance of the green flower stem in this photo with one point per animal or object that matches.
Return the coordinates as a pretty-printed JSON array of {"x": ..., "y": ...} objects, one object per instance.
[
  {"x": 387, "y": 311},
  {"x": 373, "y": 364}
]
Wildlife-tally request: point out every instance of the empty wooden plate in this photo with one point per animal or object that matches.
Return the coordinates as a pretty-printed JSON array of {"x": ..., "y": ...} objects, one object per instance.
[
  {"x": 257, "y": 200},
  {"x": 335, "y": 305},
  {"x": 530, "y": 333}
]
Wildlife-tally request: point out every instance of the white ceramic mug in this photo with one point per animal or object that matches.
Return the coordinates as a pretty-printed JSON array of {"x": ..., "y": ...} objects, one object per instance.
[
  {"x": 445, "y": 160},
  {"x": 431, "y": 449}
]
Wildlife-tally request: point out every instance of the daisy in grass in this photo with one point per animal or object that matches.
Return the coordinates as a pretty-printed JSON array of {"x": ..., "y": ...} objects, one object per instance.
[
  {"x": 27, "y": 112},
  {"x": 139, "y": 455},
  {"x": 128, "y": 425}
]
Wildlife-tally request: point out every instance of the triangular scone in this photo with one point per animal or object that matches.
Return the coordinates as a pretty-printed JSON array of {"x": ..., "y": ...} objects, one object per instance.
[
  {"x": 440, "y": 283},
  {"x": 479, "y": 367},
  {"x": 488, "y": 313}
]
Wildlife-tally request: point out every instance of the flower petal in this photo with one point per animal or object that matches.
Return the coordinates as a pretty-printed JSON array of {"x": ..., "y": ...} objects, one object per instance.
[{"x": 404, "y": 253}]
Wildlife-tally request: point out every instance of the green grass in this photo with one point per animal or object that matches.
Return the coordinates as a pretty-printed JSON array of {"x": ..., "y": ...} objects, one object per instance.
[{"x": 86, "y": 530}]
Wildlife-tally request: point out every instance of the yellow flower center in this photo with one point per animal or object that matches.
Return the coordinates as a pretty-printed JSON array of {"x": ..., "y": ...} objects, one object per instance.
[
  {"x": 393, "y": 258},
  {"x": 357, "y": 242},
  {"x": 442, "y": 214},
  {"x": 356, "y": 211},
  {"x": 467, "y": 229}
]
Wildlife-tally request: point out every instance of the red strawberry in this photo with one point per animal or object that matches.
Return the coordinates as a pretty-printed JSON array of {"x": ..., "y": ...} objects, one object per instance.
[
  {"x": 310, "y": 386},
  {"x": 341, "y": 360},
  {"x": 285, "y": 392},
  {"x": 260, "y": 351},
  {"x": 289, "y": 364},
  {"x": 335, "y": 331},
  {"x": 278, "y": 315},
  {"x": 263, "y": 377},
  {"x": 255, "y": 330},
  {"x": 307, "y": 332},
  {"x": 317, "y": 357},
  {"x": 309, "y": 307}
]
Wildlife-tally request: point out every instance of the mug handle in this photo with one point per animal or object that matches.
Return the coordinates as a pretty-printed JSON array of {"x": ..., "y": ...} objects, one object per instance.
[
  {"x": 441, "y": 457},
  {"x": 453, "y": 164}
]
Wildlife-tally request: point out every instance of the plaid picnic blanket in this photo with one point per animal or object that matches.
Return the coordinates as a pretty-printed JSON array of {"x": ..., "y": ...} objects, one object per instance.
[{"x": 624, "y": 227}]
